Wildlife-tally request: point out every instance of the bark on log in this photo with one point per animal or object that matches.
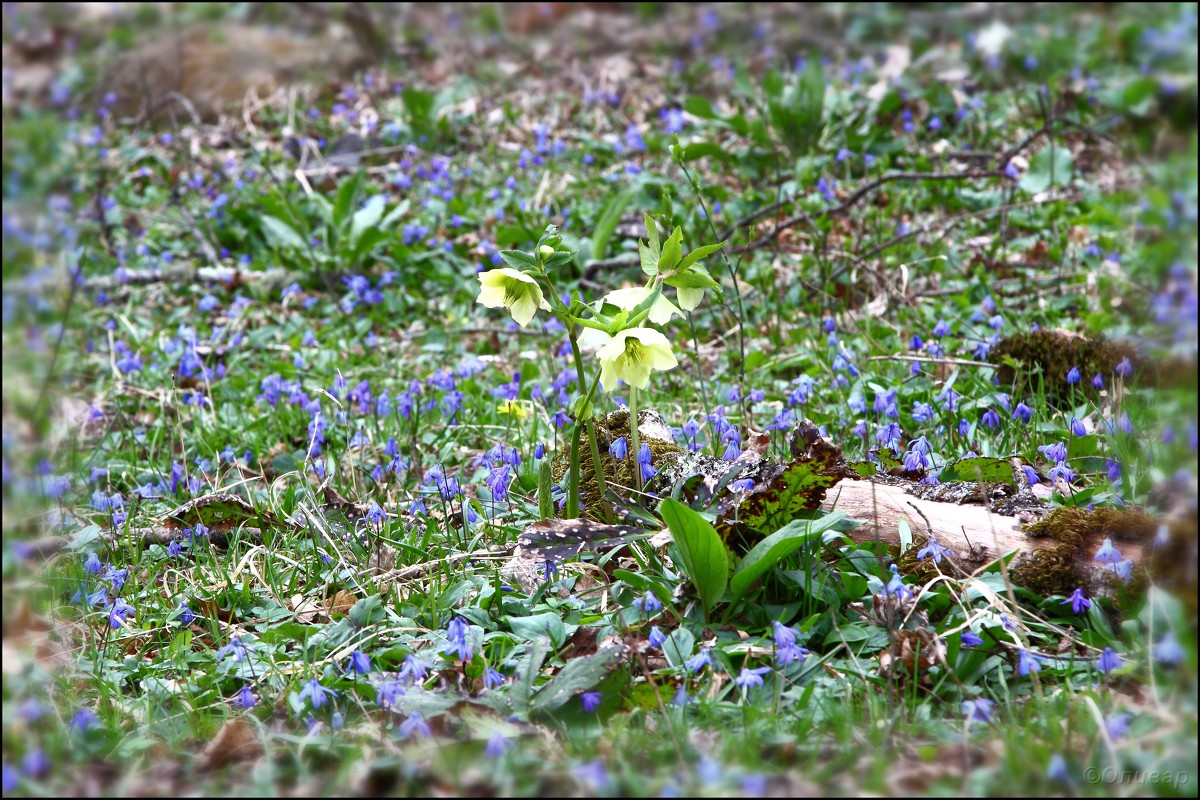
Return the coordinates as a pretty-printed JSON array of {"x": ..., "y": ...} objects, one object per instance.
[{"x": 976, "y": 534}]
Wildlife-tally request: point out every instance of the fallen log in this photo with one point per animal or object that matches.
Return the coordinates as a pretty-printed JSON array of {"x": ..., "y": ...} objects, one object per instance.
[{"x": 1053, "y": 550}]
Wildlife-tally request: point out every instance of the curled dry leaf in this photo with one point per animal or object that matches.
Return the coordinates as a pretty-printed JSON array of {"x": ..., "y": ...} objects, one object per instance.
[
  {"x": 235, "y": 741},
  {"x": 340, "y": 603},
  {"x": 913, "y": 651}
]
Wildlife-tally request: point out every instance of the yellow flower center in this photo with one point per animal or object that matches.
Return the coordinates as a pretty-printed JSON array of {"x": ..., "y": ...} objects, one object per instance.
[
  {"x": 633, "y": 349},
  {"x": 513, "y": 291}
]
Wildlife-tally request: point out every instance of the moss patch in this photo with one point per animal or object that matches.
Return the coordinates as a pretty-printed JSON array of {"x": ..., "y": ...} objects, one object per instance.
[
  {"x": 619, "y": 474},
  {"x": 1061, "y": 568},
  {"x": 1051, "y": 354}
]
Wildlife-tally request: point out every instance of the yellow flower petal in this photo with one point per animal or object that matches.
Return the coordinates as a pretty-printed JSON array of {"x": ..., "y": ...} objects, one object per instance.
[
  {"x": 689, "y": 297},
  {"x": 514, "y": 290},
  {"x": 632, "y": 355},
  {"x": 629, "y": 299}
]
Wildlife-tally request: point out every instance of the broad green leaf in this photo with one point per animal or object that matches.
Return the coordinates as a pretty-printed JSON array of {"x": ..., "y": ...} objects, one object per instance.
[
  {"x": 527, "y": 672},
  {"x": 988, "y": 470},
  {"x": 644, "y": 584},
  {"x": 700, "y": 549},
  {"x": 579, "y": 675},
  {"x": 280, "y": 234},
  {"x": 770, "y": 551},
  {"x": 821, "y": 586},
  {"x": 344, "y": 202},
  {"x": 324, "y": 208},
  {"x": 558, "y": 259},
  {"x": 518, "y": 259},
  {"x": 672, "y": 251},
  {"x": 696, "y": 277},
  {"x": 393, "y": 216},
  {"x": 609, "y": 219},
  {"x": 698, "y": 150},
  {"x": 1048, "y": 167},
  {"x": 538, "y": 625},
  {"x": 1137, "y": 97},
  {"x": 679, "y": 646},
  {"x": 652, "y": 236},
  {"x": 648, "y": 258},
  {"x": 699, "y": 253},
  {"x": 366, "y": 243},
  {"x": 699, "y": 106},
  {"x": 367, "y": 611},
  {"x": 366, "y": 218},
  {"x": 854, "y": 632}
]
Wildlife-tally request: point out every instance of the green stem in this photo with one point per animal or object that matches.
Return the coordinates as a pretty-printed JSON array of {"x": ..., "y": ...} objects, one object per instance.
[
  {"x": 572, "y": 509},
  {"x": 563, "y": 313},
  {"x": 597, "y": 467},
  {"x": 633, "y": 436}
]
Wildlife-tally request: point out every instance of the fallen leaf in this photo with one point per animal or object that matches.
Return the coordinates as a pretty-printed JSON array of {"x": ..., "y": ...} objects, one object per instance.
[
  {"x": 235, "y": 741},
  {"x": 340, "y": 603}
]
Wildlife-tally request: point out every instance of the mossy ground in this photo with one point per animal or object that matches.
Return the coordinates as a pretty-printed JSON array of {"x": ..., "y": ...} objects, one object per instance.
[
  {"x": 1041, "y": 360},
  {"x": 618, "y": 473}
]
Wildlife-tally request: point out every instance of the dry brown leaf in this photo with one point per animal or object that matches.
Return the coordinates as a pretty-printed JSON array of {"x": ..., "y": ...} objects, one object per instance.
[
  {"x": 340, "y": 603},
  {"x": 913, "y": 651},
  {"x": 237, "y": 740}
]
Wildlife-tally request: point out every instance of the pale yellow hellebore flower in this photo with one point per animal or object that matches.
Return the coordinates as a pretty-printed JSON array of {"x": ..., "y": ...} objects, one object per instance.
[
  {"x": 689, "y": 297},
  {"x": 631, "y": 355},
  {"x": 513, "y": 290},
  {"x": 629, "y": 299}
]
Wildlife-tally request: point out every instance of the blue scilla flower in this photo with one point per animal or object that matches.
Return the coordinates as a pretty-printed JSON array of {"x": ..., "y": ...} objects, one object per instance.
[{"x": 1079, "y": 603}]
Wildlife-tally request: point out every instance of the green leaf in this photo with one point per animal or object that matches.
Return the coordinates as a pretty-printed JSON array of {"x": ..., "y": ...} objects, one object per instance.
[
  {"x": 393, "y": 216},
  {"x": 367, "y": 611},
  {"x": 1138, "y": 96},
  {"x": 796, "y": 110},
  {"x": 819, "y": 587},
  {"x": 280, "y": 234},
  {"x": 699, "y": 106},
  {"x": 1049, "y": 166},
  {"x": 696, "y": 277},
  {"x": 644, "y": 584},
  {"x": 609, "y": 219},
  {"x": 344, "y": 202},
  {"x": 527, "y": 672},
  {"x": 770, "y": 551},
  {"x": 698, "y": 150},
  {"x": 699, "y": 253},
  {"x": 988, "y": 470},
  {"x": 652, "y": 236},
  {"x": 324, "y": 208},
  {"x": 577, "y": 676},
  {"x": 672, "y": 251},
  {"x": 366, "y": 243},
  {"x": 518, "y": 259},
  {"x": 854, "y": 632},
  {"x": 679, "y": 647},
  {"x": 366, "y": 218},
  {"x": 701, "y": 551},
  {"x": 538, "y": 625},
  {"x": 648, "y": 259}
]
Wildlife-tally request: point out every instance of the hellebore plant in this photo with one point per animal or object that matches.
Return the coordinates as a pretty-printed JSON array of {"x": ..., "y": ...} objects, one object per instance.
[{"x": 618, "y": 325}]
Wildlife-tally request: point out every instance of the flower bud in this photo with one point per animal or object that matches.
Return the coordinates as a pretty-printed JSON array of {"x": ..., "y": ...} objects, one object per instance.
[{"x": 546, "y": 251}]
